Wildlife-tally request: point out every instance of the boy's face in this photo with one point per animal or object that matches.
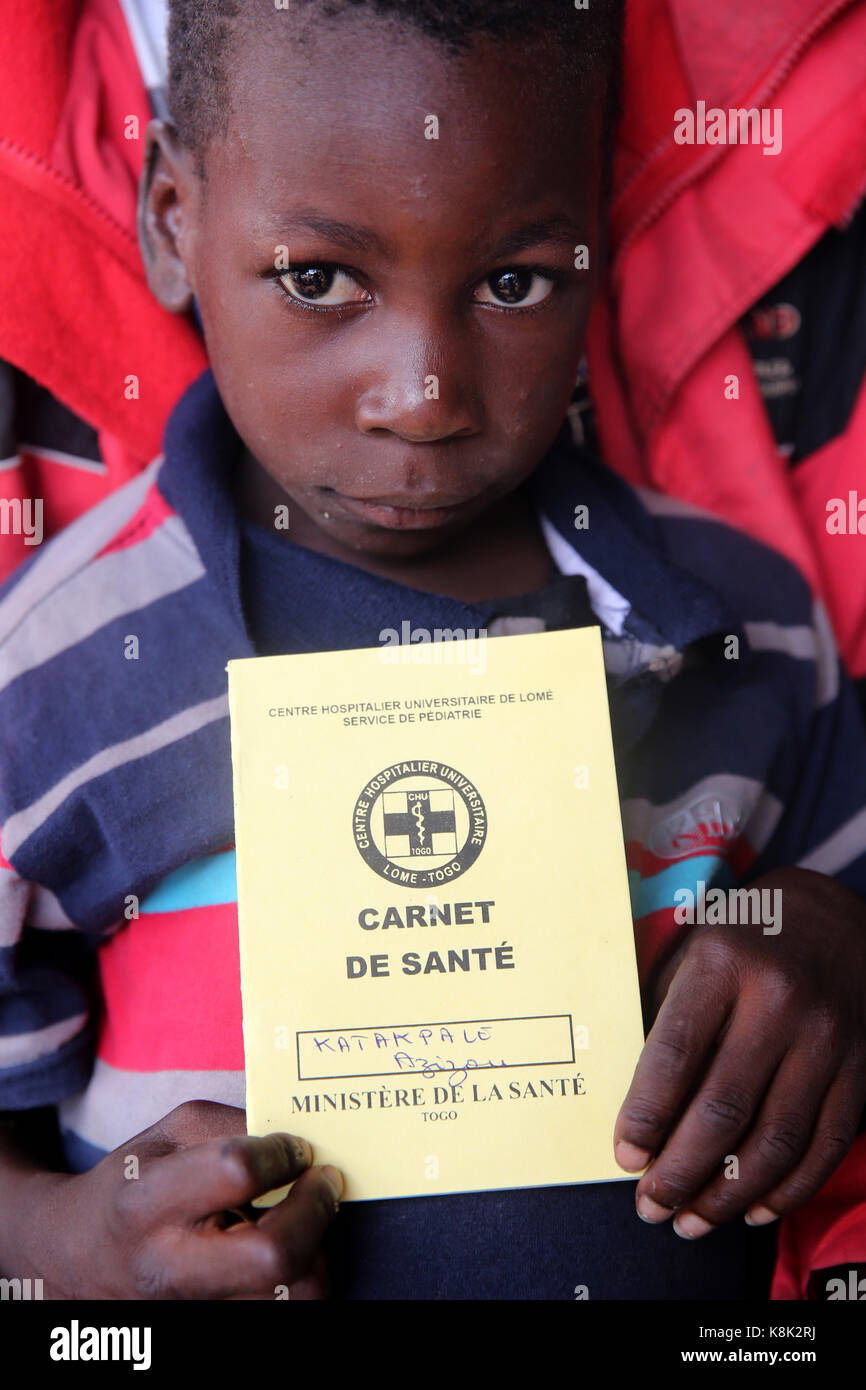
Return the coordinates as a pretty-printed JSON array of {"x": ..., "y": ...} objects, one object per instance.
[{"x": 394, "y": 321}]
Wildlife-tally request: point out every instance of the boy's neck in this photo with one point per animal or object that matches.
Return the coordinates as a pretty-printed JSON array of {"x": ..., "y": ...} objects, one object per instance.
[{"x": 500, "y": 555}]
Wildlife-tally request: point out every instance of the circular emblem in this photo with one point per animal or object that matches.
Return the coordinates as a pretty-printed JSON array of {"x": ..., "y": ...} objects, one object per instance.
[{"x": 419, "y": 823}]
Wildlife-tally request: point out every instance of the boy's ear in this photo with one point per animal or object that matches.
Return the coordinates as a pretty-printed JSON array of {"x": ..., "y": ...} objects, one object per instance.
[{"x": 166, "y": 198}]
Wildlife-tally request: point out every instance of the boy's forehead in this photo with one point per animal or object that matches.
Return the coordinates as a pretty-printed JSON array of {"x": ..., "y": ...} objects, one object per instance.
[
  {"x": 361, "y": 54},
  {"x": 359, "y": 105}
]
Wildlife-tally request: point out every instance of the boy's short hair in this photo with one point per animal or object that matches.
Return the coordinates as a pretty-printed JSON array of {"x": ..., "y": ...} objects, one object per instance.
[{"x": 201, "y": 32}]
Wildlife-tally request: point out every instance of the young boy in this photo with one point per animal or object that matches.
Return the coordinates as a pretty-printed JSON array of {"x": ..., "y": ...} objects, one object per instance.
[{"x": 380, "y": 209}]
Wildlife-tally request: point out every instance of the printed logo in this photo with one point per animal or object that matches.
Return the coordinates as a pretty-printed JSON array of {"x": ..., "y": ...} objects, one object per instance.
[
  {"x": 419, "y": 823},
  {"x": 704, "y": 825},
  {"x": 774, "y": 321}
]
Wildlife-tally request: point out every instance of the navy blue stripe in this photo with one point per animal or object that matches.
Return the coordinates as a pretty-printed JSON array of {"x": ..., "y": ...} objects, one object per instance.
[
  {"x": 48, "y": 1079},
  {"x": 40, "y": 998},
  {"x": 183, "y": 650},
  {"x": 124, "y": 831},
  {"x": 760, "y": 584},
  {"x": 826, "y": 786}
]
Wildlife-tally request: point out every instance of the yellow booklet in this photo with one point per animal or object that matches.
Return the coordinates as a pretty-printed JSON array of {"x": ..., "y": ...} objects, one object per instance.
[{"x": 437, "y": 955}]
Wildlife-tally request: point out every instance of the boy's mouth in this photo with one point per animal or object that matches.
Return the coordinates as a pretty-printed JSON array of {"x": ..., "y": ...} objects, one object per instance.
[{"x": 398, "y": 514}]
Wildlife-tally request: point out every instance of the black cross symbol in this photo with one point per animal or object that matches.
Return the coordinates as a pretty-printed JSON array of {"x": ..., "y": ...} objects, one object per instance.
[{"x": 420, "y": 836}]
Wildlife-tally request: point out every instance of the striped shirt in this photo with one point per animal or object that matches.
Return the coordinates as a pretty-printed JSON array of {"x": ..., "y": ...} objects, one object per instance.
[{"x": 738, "y": 743}]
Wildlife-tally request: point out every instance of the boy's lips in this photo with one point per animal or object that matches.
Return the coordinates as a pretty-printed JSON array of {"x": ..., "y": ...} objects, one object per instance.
[{"x": 400, "y": 514}]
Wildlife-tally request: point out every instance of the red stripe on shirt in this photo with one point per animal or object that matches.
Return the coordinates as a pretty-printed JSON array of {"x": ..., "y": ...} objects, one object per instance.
[
  {"x": 171, "y": 984},
  {"x": 739, "y": 856}
]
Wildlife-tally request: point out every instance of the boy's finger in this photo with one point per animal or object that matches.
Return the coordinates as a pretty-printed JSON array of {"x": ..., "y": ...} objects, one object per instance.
[
  {"x": 215, "y": 1264},
  {"x": 833, "y": 1136},
  {"x": 314, "y": 1286},
  {"x": 298, "y": 1223},
  {"x": 251, "y": 1261},
  {"x": 780, "y": 1135},
  {"x": 186, "y": 1186},
  {"x": 674, "y": 1056},
  {"x": 717, "y": 1116}
]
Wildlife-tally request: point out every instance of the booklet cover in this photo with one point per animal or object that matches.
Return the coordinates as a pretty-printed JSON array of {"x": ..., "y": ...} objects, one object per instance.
[{"x": 437, "y": 956}]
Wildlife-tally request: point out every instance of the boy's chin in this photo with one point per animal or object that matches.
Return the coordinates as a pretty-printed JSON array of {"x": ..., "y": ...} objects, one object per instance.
[{"x": 406, "y": 546}]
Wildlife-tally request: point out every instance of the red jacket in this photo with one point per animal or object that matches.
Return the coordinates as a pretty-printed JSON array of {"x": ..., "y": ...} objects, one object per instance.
[
  {"x": 75, "y": 310},
  {"x": 698, "y": 234}
]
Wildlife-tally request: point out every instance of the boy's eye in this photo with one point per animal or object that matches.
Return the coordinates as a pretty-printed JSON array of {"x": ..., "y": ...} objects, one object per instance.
[
  {"x": 325, "y": 285},
  {"x": 516, "y": 285}
]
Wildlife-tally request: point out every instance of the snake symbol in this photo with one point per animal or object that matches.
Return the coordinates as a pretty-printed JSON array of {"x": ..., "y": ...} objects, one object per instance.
[{"x": 418, "y": 813}]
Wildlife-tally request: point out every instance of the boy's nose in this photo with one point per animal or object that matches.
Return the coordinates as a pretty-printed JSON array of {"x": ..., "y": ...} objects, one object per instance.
[{"x": 422, "y": 394}]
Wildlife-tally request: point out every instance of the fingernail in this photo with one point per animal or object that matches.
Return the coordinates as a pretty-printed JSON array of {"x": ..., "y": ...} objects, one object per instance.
[
  {"x": 690, "y": 1226},
  {"x": 334, "y": 1178},
  {"x": 630, "y": 1157},
  {"x": 651, "y": 1211},
  {"x": 760, "y": 1216}
]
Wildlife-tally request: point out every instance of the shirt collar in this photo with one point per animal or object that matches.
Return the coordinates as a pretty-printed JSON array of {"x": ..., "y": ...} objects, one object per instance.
[
  {"x": 648, "y": 596},
  {"x": 201, "y": 448}
]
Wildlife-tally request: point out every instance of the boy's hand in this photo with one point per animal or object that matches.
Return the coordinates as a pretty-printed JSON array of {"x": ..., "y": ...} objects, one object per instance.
[
  {"x": 165, "y": 1234},
  {"x": 758, "y": 1052}
]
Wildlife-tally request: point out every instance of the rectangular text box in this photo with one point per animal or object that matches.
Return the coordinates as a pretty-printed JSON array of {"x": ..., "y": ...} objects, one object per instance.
[{"x": 429, "y": 1049}]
